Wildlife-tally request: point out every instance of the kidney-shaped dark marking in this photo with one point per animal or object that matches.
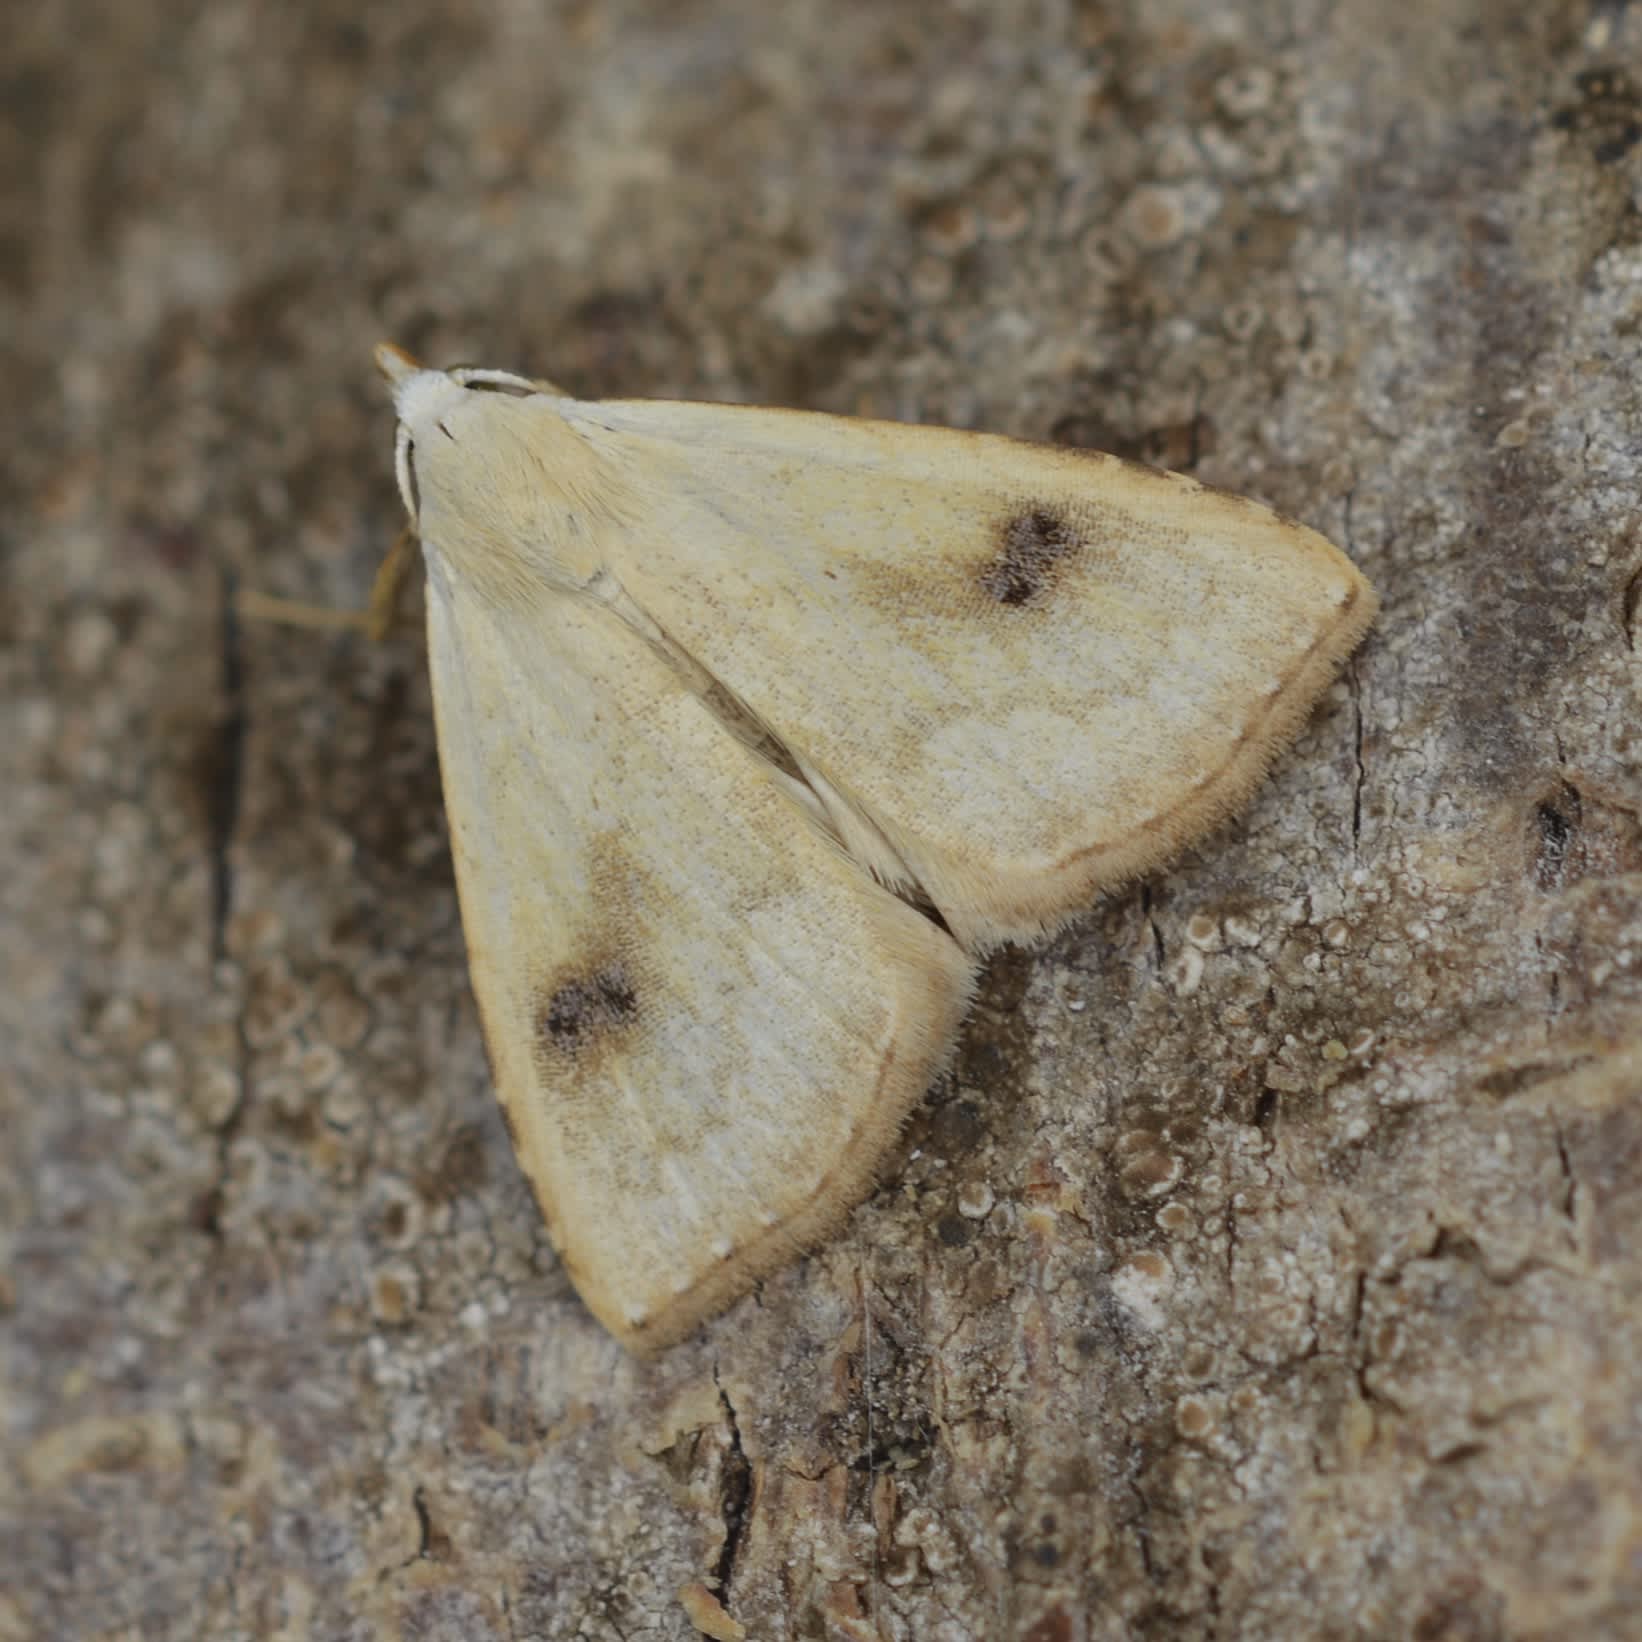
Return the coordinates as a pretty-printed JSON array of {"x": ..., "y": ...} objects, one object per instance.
[{"x": 1032, "y": 545}]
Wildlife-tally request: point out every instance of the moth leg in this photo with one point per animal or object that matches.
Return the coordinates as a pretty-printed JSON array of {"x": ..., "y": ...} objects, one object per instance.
[
  {"x": 391, "y": 575},
  {"x": 374, "y": 621}
]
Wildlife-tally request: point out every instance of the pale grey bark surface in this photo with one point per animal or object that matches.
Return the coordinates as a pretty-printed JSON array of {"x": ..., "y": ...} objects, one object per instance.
[{"x": 1269, "y": 1267}]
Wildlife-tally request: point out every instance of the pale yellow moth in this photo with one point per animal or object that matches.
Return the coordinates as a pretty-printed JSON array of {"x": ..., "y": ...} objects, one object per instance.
[{"x": 758, "y": 728}]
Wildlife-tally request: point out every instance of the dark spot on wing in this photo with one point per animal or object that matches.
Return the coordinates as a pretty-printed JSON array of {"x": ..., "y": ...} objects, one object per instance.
[
  {"x": 584, "y": 1011},
  {"x": 1032, "y": 546}
]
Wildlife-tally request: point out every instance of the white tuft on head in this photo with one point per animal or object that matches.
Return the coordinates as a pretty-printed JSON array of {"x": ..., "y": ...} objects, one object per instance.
[{"x": 420, "y": 395}]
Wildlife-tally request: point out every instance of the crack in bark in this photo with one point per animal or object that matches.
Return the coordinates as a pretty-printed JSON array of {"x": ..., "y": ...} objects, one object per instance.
[
  {"x": 1354, "y": 684},
  {"x": 424, "y": 1523},
  {"x": 1571, "y": 1189},
  {"x": 1159, "y": 951},
  {"x": 735, "y": 1495}
]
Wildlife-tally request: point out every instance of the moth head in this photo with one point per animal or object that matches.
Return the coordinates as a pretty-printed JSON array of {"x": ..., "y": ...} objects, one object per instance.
[
  {"x": 425, "y": 401},
  {"x": 491, "y": 474},
  {"x": 433, "y": 401}
]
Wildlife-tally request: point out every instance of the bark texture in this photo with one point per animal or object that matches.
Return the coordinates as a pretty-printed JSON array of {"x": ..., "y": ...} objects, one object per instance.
[{"x": 1269, "y": 1266}]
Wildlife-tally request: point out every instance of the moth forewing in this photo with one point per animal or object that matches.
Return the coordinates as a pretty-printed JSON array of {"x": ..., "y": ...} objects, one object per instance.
[
  {"x": 1036, "y": 672},
  {"x": 706, "y": 1022},
  {"x": 757, "y": 727}
]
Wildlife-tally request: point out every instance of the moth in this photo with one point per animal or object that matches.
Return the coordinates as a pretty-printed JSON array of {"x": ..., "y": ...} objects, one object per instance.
[{"x": 759, "y": 728}]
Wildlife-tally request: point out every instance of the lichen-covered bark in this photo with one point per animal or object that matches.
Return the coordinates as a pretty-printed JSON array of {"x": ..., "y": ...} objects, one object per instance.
[{"x": 1269, "y": 1266}]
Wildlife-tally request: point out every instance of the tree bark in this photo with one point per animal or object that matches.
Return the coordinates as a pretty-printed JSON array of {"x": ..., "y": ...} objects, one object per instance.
[{"x": 1267, "y": 1266}]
